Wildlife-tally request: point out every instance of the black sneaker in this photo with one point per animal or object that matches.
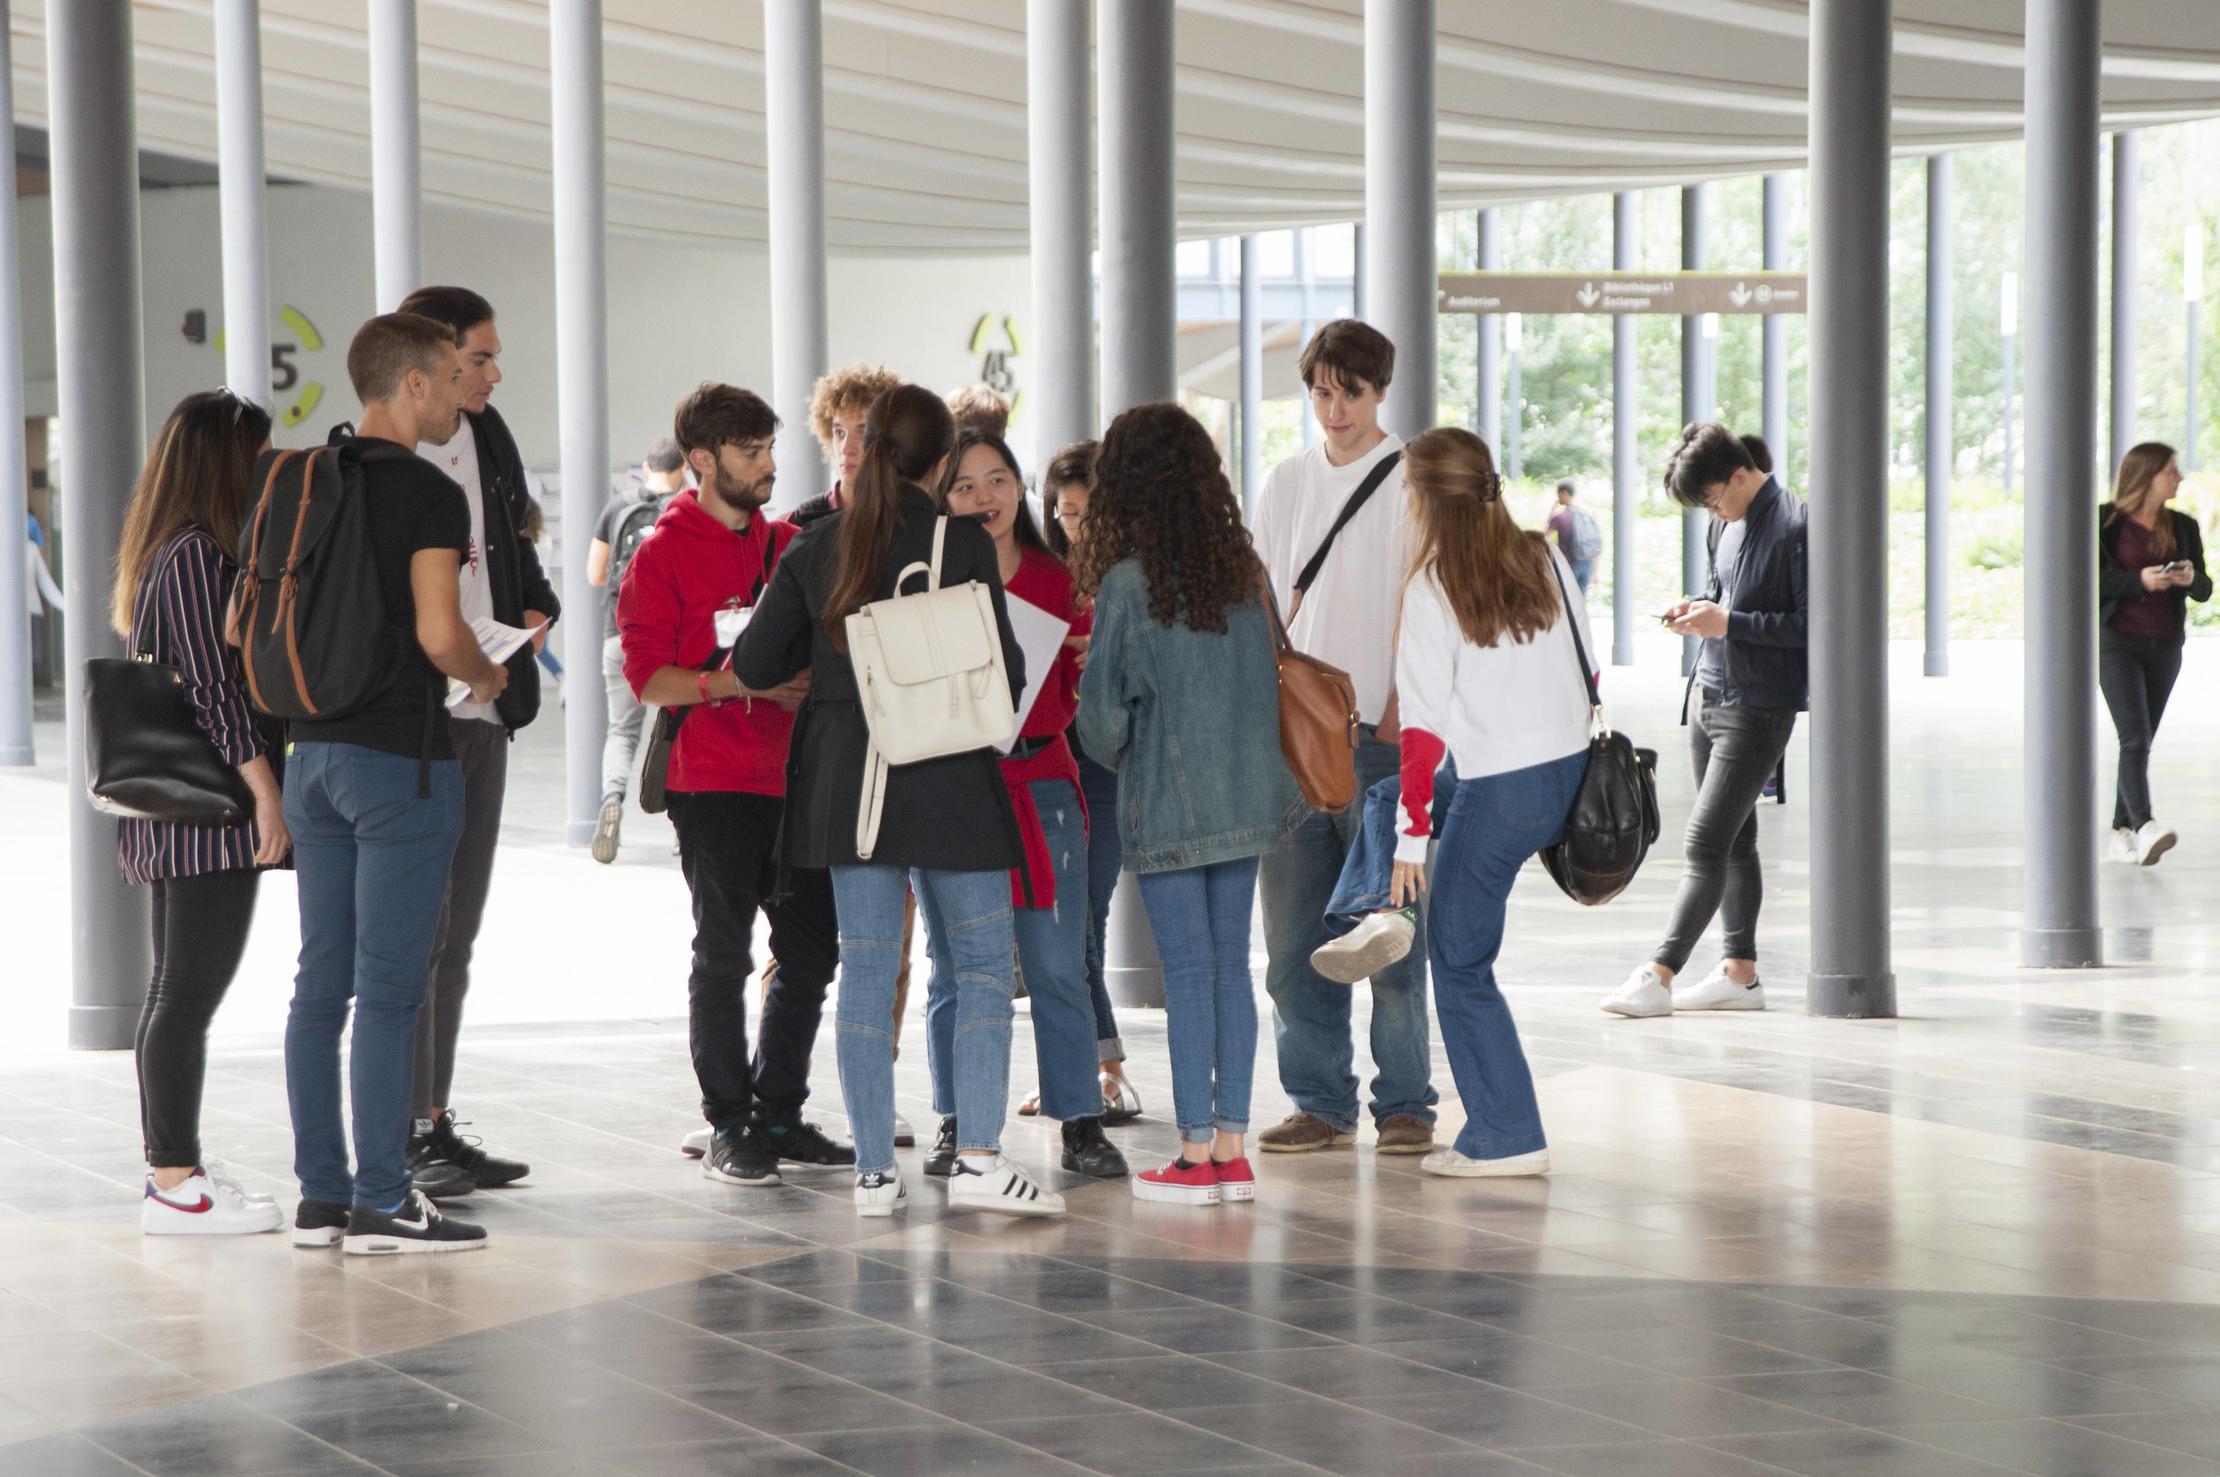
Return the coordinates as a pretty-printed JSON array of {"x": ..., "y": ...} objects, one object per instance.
[
  {"x": 431, "y": 1171},
  {"x": 942, "y": 1160},
  {"x": 319, "y": 1223},
  {"x": 416, "y": 1226},
  {"x": 1088, "y": 1151},
  {"x": 487, "y": 1171},
  {"x": 798, "y": 1142},
  {"x": 741, "y": 1156}
]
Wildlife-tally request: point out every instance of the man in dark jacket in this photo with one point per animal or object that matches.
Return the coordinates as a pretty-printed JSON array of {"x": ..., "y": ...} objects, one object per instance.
[
  {"x": 1753, "y": 676},
  {"x": 501, "y": 581}
]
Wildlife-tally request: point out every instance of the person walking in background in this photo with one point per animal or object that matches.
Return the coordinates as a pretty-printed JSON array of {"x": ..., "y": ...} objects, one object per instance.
[
  {"x": 1182, "y": 700},
  {"x": 41, "y": 591},
  {"x": 1579, "y": 539},
  {"x": 2150, "y": 565},
  {"x": 625, "y": 523},
  {"x": 1750, "y": 683},
  {"x": 174, "y": 574},
  {"x": 1492, "y": 673},
  {"x": 980, "y": 408}
]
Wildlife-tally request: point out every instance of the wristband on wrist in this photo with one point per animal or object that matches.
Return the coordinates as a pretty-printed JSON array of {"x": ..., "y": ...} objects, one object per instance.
[{"x": 701, "y": 685}]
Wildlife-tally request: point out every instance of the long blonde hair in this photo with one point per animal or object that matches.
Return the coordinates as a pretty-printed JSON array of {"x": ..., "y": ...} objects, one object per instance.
[
  {"x": 2134, "y": 487},
  {"x": 200, "y": 474},
  {"x": 1495, "y": 576}
]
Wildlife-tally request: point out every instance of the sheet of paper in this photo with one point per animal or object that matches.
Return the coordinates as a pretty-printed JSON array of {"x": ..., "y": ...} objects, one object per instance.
[
  {"x": 1041, "y": 637},
  {"x": 498, "y": 642}
]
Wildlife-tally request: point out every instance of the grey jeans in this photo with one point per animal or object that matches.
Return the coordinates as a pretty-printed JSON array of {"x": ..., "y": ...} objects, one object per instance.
[
  {"x": 1735, "y": 750},
  {"x": 483, "y": 750},
  {"x": 625, "y": 714}
]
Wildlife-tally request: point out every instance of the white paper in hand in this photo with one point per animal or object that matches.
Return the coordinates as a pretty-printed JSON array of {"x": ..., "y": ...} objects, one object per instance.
[
  {"x": 498, "y": 642},
  {"x": 1041, "y": 637}
]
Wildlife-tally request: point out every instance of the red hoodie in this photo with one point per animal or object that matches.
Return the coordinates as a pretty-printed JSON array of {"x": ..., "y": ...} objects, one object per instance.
[{"x": 686, "y": 571}]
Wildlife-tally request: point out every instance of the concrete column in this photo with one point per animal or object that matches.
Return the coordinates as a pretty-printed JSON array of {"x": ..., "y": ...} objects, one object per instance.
[
  {"x": 1357, "y": 298},
  {"x": 1773, "y": 419},
  {"x": 1306, "y": 276},
  {"x": 1625, "y": 477},
  {"x": 1252, "y": 376},
  {"x": 1695, "y": 213},
  {"x": 239, "y": 188},
  {"x": 2126, "y": 230},
  {"x": 396, "y": 153},
  {"x": 794, "y": 149},
  {"x": 15, "y": 647},
  {"x": 1488, "y": 383},
  {"x": 1511, "y": 453},
  {"x": 581, "y": 382},
  {"x": 1140, "y": 312},
  {"x": 2192, "y": 300},
  {"x": 2059, "y": 770},
  {"x": 1850, "y": 973},
  {"x": 1400, "y": 277},
  {"x": 1060, "y": 170},
  {"x": 92, "y": 115},
  {"x": 1941, "y": 440}
]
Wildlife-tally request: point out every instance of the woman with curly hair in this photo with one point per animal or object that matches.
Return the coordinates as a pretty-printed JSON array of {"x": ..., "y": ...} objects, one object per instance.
[{"x": 1182, "y": 700}]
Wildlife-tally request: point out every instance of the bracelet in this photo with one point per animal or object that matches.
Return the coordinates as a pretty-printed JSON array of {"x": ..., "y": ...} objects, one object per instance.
[{"x": 701, "y": 685}]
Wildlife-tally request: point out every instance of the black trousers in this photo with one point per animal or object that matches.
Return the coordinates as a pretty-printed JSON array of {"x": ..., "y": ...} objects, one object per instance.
[
  {"x": 1735, "y": 751},
  {"x": 200, "y": 934},
  {"x": 482, "y": 748},
  {"x": 2136, "y": 675},
  {"x": 728, "y": 849}
]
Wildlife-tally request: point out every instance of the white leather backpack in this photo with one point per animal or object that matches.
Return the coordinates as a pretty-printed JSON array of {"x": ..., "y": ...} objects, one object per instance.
[{"x": 931, "y": 677}]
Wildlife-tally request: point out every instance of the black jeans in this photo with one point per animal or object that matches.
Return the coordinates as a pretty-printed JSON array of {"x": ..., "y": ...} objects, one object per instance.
[
  {"x": 728, "y": 849},
  {"x": 200, "y": 933},
  {"x": 1735, "y": 750},
  {"x": 482, "y": 748},
  {"x": 2136, "y": 674}
]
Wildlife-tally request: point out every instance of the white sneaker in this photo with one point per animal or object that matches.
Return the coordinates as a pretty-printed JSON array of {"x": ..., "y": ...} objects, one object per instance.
[
  {"x": 881, "y": 1194},
  {"x": 220, "y": 1173},
  {"x": 2152, "y": 842},
  {"x": 1643, "y": 994},
  {"x": 205, "y": 1206},
  {"x": 998, "y": 1187},
  {"x": 1448, "y": 1162},
  {"x": 696, "y": 1144},
  {"x": 1378, "y": 940},
  {"x": 2123, "y": 848},
  {"x": 1715, "y": 991}
]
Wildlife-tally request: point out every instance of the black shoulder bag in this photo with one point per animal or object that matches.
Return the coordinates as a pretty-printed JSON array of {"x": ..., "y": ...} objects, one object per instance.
[
  {"x": 655, "y": 763},
  {"x": 1613, "y": 822}
]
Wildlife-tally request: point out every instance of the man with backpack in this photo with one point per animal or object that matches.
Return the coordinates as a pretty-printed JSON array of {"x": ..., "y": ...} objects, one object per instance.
[
  {"x": 1579, "y": 538},
  {"x": 689, "y": 594},
  {"x": 501, "y": 579},
  {"x": 355, "y": 646},
  {"x": 625, "y": 523}
]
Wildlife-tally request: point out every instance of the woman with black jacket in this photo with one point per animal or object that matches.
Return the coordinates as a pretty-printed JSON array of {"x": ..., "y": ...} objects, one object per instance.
[
  {"x": 947, "y": 822},
  {"x": 2150, "y": 565}
]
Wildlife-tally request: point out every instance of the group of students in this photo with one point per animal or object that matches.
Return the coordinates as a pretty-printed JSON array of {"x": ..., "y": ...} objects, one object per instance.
[{"x": 1151, "y": 746}]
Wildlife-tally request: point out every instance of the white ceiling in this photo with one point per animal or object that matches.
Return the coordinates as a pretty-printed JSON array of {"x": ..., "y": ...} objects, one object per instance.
[{"x": 925, "y": 102}]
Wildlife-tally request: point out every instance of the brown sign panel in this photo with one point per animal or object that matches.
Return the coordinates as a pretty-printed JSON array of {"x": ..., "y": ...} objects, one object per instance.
[{"x": 1623, "y": 292}]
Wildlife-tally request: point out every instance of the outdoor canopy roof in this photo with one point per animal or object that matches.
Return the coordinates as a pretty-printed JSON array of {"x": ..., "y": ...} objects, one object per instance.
[{"x": 925, "y": 102}]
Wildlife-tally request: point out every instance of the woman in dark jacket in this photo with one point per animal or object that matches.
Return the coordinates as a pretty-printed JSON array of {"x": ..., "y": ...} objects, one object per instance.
[
  {"x": 946, "y": 822},
  {"x": 174, "y": 573},
  {"x": 2150, "y": 565}
]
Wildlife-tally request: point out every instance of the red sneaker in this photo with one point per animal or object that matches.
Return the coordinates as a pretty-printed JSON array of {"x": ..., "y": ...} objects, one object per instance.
[
  {"x": 1236, "y": 1179},
  {"x": 1177, "y": 1184}
]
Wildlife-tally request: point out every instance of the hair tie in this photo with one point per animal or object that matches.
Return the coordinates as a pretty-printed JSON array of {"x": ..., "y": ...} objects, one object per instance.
[{"x": 1491, "y": 488}]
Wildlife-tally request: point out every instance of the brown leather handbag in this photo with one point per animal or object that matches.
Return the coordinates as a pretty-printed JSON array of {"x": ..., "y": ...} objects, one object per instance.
[{"x": 1318, "y": 721}]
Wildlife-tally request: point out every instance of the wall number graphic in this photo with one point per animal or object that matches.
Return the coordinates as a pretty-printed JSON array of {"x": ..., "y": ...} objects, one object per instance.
[{"x": 285, "y": 374}]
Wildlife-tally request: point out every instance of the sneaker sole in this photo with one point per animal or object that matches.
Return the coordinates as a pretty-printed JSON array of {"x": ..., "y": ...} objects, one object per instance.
[
  {"x": 197, "y": 1226},
  {"x": 606, "y": 839},
  {"x": 2159, "y": 848},
  {"x": 1228, "y": 1194},
  {"x": 1162, "y": 1194},
  {"x": 1020, "y": 1209},
  {"x": 319, "y": 1238},
  {"x": 880, "y": 1210},
  {"x": 1358, "y": 965},
  {"x": 1634, "y": 1014},
  {"x": 1338, "y": 1141},
  {"x": 1427, "y": 1147},
  {"x": 1482, "y": 1170},
  {"x": 1727, "y": 1004},
  {"x": 709, "y": 1172},
  {"x": 381, "y": 1245}
]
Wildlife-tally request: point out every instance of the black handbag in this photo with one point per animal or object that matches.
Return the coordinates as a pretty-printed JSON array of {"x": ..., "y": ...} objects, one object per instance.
[
  {"x": 1613, "y": 822},
  {"x": 146, "y": 755}
]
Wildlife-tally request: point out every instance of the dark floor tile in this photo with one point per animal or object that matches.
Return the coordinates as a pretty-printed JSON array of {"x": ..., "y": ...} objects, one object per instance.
[
  {"x": 1692, "y": 1352},
  {"x": 1506, "y": 1419},
  {"x": 62, "y": 1456},
  {"x": 818, "y": 1269},
  {"x": 1686, "y": 1409},
  {"x": 1129, "y": 1441},
  {"x": 1862, "y": 1397},
  {"x": 2195, "y": 1432},
  {"x": 1374, "y": 1320},
  {"x": 2011, "y": 1332},
  {"x": 2191, "y": 1378},
  {"x": 2029, "y": 1389},
  {"x": 1206, "y": 1330},
  {"x": 1518, "y": 1361},
  {"x": 1169, "y": 1382},
  {"x": 1852, "y": 1453},
  {"x": 1337, "y": 1438},
  {"x": 515, "y": 1464},
  {"x": 758, "y": 1457},
  {"x": 1857, "y": 1342},
  {"x": 1240, "y": 1284},
  {"x": 435, "y": 1429},
  {"x": 221, "y": 1435},
  {"x": 1645, "y": 1459},
  {"x": 785, "y": 1399},
  {"x": 736, "y": 1307},
  {"x": 1355, "y": 1375},
  {"x": 2055, "y": 1449},
  {"x": 1040, "y": 1339},
  {"x": 363, "y": 1385},
  {"x": 932, "y": 1451}
]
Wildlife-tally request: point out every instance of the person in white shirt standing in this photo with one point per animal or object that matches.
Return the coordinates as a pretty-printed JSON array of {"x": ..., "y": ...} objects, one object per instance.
[
  {"x": 1492, "y": 675},
  {"x": 1336, "y": 561}
]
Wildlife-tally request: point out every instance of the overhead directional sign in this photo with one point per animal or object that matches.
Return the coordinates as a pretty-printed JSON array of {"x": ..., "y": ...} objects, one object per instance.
[{"x": 1627, "y": 292}]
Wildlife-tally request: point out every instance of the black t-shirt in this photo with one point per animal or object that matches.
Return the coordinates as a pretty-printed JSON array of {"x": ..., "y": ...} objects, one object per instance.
[{"x": 412, "y": 505}]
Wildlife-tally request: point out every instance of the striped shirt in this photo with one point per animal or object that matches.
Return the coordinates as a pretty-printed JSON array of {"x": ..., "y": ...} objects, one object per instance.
[{"x": 178, "y": 620}]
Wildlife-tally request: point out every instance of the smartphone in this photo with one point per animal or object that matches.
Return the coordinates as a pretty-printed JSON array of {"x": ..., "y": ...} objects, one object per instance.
[{"x": 2177, "y": 566}]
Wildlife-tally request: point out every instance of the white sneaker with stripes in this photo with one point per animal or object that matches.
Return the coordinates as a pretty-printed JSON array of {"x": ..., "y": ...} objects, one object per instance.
[{"x": 998, "y": 1187}]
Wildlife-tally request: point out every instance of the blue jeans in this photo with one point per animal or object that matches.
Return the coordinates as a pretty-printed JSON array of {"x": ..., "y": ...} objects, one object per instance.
[
  {"x": 1583, "y": 570},
  {"x": 1104, "y": 855},
  {"x": 972, "y": 910},
  {"x": 371, "y": 858},
  {"x": 1200, "y": 918},
  {"x": 1052, "y": 950},
  {"x": 1368, "y": 876},
  {"x": 1495, "y": 823},
  {"x": 1311, "y": 1015}
]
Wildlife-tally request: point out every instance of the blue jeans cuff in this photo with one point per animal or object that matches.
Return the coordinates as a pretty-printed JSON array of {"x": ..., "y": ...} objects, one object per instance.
[{"x": 1500, "y": 1148}]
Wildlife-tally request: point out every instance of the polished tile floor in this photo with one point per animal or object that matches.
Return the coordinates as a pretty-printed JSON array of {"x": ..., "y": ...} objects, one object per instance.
[{"x": 1982, "y": 1238}]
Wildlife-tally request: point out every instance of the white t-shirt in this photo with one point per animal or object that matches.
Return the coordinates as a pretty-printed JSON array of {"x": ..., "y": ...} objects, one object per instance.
[
  {"x": 1348, "y": 618},
  {"x": 459, "y": 460}
]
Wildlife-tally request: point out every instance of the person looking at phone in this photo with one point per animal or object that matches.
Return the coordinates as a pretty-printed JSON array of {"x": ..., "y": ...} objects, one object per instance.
[
  {"x": 2150, "y": 565},
  {"x": 1752, "y": 678}
]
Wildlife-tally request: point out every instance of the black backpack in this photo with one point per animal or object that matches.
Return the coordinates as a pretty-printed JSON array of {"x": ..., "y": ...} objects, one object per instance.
[
  {"x": 632, "y": 531},
  {"x": 309, "y": 617}
]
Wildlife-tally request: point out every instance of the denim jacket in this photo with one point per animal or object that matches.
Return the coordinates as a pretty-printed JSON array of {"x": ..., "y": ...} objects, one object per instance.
[{"x": 1190, "y": 720}]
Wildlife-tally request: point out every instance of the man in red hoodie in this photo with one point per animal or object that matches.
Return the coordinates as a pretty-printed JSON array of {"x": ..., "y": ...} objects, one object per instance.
[{"x": 685, "y": 599}]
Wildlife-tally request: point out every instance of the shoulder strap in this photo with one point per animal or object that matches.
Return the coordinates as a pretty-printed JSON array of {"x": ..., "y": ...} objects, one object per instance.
[
  {"x": 1349, "y": 510},
  {"x": 1580, "y": 648},
  {"x": 940, "y": 541}
]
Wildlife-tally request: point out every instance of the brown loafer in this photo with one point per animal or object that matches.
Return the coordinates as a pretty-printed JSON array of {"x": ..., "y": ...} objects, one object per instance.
[
  {"x": 1404, "y": 1134},
  {"x": 1301, "y": 1133}
]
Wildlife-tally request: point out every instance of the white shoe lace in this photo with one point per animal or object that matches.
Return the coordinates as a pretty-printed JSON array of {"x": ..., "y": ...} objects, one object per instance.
[{"x": 227, "y": 1185}]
